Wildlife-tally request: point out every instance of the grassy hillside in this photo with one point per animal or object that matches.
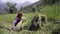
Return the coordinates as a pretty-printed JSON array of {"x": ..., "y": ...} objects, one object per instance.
[{"x": 51, "y": 11}]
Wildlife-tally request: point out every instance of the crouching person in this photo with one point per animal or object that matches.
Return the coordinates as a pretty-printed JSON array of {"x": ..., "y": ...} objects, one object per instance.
[
  {"x": 34, "y": 24},
  {"x": 16, "y": 21}
]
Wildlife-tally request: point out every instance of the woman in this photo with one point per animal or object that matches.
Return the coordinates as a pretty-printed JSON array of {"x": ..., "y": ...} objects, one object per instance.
[{"x": 16, "y": 21}]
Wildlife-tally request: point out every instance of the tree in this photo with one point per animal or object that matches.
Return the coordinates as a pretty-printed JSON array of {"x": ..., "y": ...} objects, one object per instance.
[
  {"x": 51, "y": 1},
  {"x": 11, "y": 8},
  {"x": 33, "y": 8}
]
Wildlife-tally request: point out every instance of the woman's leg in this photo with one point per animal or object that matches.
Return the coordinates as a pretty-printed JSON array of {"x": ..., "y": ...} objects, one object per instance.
[{"x": 13, "y": 25}]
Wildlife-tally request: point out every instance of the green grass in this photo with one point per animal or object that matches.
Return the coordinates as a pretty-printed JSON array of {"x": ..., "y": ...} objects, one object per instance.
[
  {"x": 52, "y": 12},
  {"x": 6, "y": 21}
]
